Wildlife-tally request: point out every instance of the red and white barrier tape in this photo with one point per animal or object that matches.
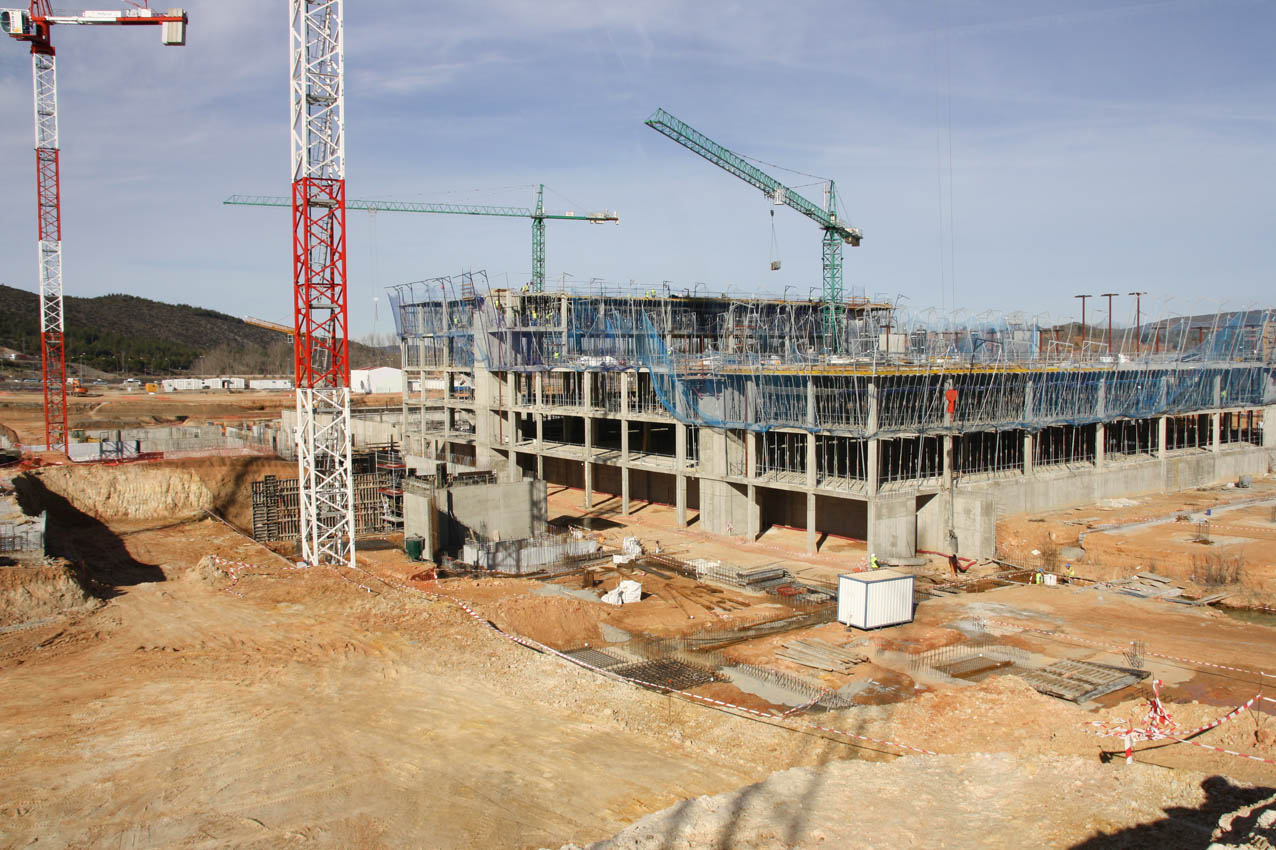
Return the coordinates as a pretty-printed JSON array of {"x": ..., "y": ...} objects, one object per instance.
[
  {"x": 1161, "y": 727},
  {"x": 1228, "y": 752}
]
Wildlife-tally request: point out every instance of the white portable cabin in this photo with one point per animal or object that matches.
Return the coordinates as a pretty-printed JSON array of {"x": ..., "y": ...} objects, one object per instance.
[
  {"x": 269, "y": 384},
  {"x": 875, "y": 599}
]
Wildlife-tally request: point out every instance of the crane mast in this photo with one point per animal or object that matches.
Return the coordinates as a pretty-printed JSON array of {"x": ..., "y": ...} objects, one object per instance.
[
  {"x": 835, "y": 235},
  {"x": 33, "y": 25},
  {"x": 321, "y": 348},
  {"x": 537, "y": 215}
]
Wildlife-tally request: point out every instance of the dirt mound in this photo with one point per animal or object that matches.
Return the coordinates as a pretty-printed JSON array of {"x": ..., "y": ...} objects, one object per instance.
[
  {"x": 166, "y": 491},
  {"x": 133, "y": 491},
  {"x": 560, "y": 622},
  {"x": 36, "y": 593},
  {"x": 989, "y": 801}
]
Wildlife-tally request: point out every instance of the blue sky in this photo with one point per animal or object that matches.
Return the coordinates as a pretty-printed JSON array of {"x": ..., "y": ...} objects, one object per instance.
[{"x": 1017, "y": 153}]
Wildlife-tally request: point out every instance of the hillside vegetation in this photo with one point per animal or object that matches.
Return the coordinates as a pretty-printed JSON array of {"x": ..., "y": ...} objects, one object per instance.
[{"x": 127, "y": 334}]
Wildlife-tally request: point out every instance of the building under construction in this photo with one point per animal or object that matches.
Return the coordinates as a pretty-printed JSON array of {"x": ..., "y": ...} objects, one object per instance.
[{"x": 850, "y": 420}]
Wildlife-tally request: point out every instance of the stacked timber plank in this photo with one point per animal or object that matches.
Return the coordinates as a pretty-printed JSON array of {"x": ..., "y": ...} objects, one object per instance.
[{"x": 820, "y": 655}]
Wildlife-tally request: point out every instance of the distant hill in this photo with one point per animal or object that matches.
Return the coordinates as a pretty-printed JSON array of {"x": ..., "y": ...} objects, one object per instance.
[{"x": 127, "y": 334}]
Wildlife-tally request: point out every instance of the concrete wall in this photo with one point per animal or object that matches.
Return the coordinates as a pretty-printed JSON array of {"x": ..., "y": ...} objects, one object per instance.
[
  {"x": 975, "y": 525},
  {"x": 892, "y": 526},
  {"x": 446, "y": 517},
  {"x": 419, "y": 517},
  {"x": 1048, "y": 488},
  {"x": 388, "y": 427},
  {"x": 725, "y": 509}
]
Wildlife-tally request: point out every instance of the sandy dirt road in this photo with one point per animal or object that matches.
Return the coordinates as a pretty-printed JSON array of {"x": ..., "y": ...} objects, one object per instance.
[{"x": 311, "y": 713}]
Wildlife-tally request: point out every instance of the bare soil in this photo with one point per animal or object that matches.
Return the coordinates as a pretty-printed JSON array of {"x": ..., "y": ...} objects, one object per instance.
[{"x": 266, "y": 706}]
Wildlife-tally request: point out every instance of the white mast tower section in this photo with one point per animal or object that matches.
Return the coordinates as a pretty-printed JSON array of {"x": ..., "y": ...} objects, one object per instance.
[{"x": 325, "y": 484}]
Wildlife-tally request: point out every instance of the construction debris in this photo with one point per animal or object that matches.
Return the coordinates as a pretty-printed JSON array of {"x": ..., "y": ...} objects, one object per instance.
[
  {"x": 630, "y": 549},
  {"x": 625, "y": 593}
]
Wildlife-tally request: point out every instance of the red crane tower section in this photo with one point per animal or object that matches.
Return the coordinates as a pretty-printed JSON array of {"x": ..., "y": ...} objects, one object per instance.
[{"x": 33, "y": 25}]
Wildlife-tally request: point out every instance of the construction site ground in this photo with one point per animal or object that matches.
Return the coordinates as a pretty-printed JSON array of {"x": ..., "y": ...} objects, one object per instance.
[
  {"x": 113, "y": 406},
  {"x": 179, "y": 701}
]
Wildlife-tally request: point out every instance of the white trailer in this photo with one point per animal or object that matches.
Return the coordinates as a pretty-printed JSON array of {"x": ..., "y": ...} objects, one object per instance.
[{"x": 875, "y": 599}]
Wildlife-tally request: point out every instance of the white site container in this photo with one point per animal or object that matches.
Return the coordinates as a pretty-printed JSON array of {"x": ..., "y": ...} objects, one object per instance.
[{"x": 874, "y": 599}]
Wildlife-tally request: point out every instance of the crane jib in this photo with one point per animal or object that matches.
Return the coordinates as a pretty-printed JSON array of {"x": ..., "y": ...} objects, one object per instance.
[{"x": 729, "y": 161}]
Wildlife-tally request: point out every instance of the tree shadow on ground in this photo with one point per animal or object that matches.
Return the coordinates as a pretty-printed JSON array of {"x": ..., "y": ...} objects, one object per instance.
[
  {"x": 1183, "y": 828},
  {"x": 96, "y": 550},
  {"x": 799, "y": 808}
]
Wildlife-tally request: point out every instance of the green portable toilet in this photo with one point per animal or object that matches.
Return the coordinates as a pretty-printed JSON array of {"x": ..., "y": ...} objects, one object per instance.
[{"x": 414, "y": 546}]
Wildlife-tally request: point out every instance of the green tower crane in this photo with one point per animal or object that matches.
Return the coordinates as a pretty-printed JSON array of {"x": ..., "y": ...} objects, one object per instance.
[
  {"x": 835, "y": 233},
  {"x": 538, "y": 217}
]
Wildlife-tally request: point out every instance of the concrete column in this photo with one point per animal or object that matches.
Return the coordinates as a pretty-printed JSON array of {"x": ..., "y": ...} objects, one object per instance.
[
  {"x": 811, "y": 417},
  {"x": 625, "y": 378},
  {"x": 1027, "y": 402},
  {"x": 680, "y": 464},
  {"x": 680, "y": 499},
  {"x": 1161, "y": 423},
  {"x": 563, "y": 317},
  {"x": 873, "y": 459},
  {"x": 540, "y": 440},
  {"x": 589, "y": 460},
  {"x": 811, "y": 471},
  {"x": 1216, "y": 429},
  {"x": 624, "y": 458},
  {"x": 1218, "y": 391},
  {"x": 515, "y": 474},
  {"x": 540, "y": 389},
  {"x": 1100, "y": 445},
  {"x": 587, "y": 389},
  {"x": 1027, "y": 455},
  {"x": 754, "y": 513},
  {"x": 1269, "y": 426},
  {"x": 948, "y": 461},
  {"x": 750, "y": 455},
  {"x": 810, "y": 524},
  {"x": 872, "y": 411}
]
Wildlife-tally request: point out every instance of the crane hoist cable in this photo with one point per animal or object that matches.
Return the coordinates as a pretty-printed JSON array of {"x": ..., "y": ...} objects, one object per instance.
[{"x": 775, "y": 246}]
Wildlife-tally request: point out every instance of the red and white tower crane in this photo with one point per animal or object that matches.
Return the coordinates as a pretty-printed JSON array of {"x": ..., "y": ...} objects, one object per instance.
[
  {"x": 33, "y": 25},
  {"x": 325, "y": 483}
]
